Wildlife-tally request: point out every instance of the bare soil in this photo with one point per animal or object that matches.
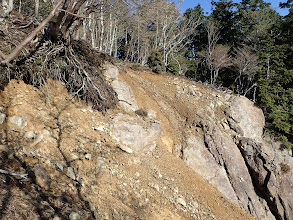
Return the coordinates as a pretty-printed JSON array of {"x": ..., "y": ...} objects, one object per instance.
[{"x": 108, "y": 182}]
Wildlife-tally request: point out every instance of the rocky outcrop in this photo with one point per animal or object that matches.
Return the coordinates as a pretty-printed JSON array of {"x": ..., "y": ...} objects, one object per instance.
[
  {"x": 235, "y": 159},
  {"x": 244, "y": 118},
  {"x": 137, "y": 134},
  {"x": 124, "y": 91},
  {"x": 271, "y": 174},
  {"x": 199, "y": 158}
]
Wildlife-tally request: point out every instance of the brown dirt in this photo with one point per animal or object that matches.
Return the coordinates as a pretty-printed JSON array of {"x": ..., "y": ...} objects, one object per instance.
[{"x": 111, "y": 184}]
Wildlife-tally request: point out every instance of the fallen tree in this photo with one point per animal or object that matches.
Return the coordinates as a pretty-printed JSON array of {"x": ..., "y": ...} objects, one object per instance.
[{"x": 52, "y": 50}]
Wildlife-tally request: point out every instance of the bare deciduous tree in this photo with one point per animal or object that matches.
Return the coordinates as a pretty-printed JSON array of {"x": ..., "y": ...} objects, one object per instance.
[
  {"x": 246, "y": 64},
  {"x": 218, "y": 59}
]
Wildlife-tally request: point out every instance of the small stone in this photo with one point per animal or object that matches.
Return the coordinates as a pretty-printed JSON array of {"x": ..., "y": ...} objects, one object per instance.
[
  {"x": 152, "y": 113},
  {"x": 70, "y": 173},
  {"x": 18, "y": 122},
  {"x": 38, "y": 139},
  {"x": 126, "y": 149},
  {"x": 2, "y": 118},
  {"x": 99, "y": 128},
  {"x": 191, "y": 91},
  {"x": 74, "y": 157},
  {"x": 88, "y": 156},
  {"x": 30, "y": 135},
  {"x": 60, "y": 166},
  {"x": 156, "y": 187},
  {"x": 46, "y": 133},
  {"x": 194, "y": 204},
  {"x": 181, "y": 201},
  {"x": 43, "y": 178},
  {"x": 74, "y": 216}
]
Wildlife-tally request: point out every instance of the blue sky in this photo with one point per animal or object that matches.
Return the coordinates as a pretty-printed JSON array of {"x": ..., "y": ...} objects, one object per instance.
[{"x": 206, "y": 5}]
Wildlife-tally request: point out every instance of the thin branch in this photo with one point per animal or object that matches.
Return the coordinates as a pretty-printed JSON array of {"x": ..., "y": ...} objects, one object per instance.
[
  {"x": 13, "y": 174},
  {"x": 14, "y": 53},
  {"x": 76, "y": 15}
]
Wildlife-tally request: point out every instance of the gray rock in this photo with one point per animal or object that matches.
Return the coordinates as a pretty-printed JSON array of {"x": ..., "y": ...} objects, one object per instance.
[
  {"x": 272, "y": 173},
  {"x": 38, "y": 139},
  {"x": 2, "y": 118},
  {"x": 227, "y": 155},
  {"x": 199, "y": 159},
  {"x": 70, "y": 173},
  {"x": 88, "y": 156},
  {"x": 181, "y": 201},
  {"x": 74, "y": 216},
  {"x": 30, "y": 135},
  {"x": 191, "y": 91},
  {"x": 43, "y": 178},
  {"x": 60, "y": 166},
  {"x": 17, "y": 122},
  {"x": 125, "y": 95},
  {"x": 126, "y": 149},
  {"x": 214, "y": 155},
  {"x": 245, "y": 118},
  {"x": 135, "y": 133}
]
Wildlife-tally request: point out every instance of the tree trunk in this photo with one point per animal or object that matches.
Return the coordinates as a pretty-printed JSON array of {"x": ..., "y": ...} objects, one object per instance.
[
  {"x": 7, "y": 6},
  {"x": 102, "y": 26},
  {"x": 37, "y": 6}
]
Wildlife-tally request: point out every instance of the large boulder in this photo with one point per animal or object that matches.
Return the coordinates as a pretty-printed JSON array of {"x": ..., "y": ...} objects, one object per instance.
[
  {"x": 125, "y": 95},
  {"x": 245, "y": 118},
  {"x": 137, "y": 134}
]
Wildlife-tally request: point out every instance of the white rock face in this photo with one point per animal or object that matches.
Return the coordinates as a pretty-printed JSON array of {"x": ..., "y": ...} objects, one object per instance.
[
  {"x": 125, "y": 95},
  {"x": 124, "y": 91},
  {"x": 198, "y": 158},
  {"x": 245, "y": 118},
  {"x": 135, "y": 133}
]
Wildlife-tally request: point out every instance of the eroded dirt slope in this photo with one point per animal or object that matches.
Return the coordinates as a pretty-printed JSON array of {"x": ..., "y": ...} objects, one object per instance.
[{"x": 76, "y": 169}]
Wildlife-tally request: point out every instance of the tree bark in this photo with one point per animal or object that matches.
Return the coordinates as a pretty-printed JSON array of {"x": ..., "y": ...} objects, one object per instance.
[{"x": 37, "y": 6}]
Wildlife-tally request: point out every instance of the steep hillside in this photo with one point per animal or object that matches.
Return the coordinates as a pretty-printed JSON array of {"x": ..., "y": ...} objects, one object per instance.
[
  {"x": 220, "y": 136},
  {"x": 76, "y": 168},
  {"x": 156, "y": 155}
]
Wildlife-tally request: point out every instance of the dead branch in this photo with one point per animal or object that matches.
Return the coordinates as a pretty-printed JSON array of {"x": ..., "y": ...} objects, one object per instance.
[
  {"x": 14, "y": 53},
  {"x": 13, "y": 174},
  {"x": 76, "y": 15}
]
